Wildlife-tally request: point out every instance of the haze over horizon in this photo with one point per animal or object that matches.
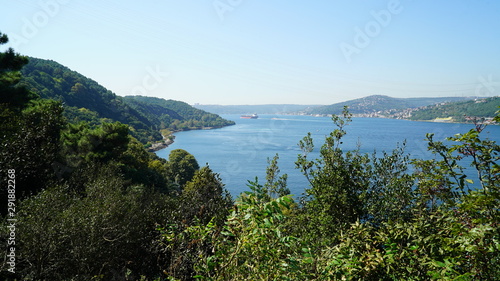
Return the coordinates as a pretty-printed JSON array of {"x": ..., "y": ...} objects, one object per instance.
[{"x": 232, "y": 52}]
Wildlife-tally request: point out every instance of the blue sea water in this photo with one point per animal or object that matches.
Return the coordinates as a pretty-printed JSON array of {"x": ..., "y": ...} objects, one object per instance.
[{"x": 239, "y": 153}]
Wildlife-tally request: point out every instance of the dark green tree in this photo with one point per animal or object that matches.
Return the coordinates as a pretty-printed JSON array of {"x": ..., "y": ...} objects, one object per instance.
[
  {"x": 29, "y": 135},
  {"x": 339, "y": 183},
  {"x": 204, "y": 201},
  {"x": 30, "y": 145},
  {"x": 106, "y": 232},
  {"x": 104, "y": 143},
  {"x": 143, "y": 167},
  {"x": 11, "y": 96},
  {"x": 182, "y": 166},
  {"x": 205, "y": 197}
]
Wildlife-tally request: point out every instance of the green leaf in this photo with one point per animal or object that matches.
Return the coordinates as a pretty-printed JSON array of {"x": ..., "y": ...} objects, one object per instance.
[{"x": 308, "y": 260}]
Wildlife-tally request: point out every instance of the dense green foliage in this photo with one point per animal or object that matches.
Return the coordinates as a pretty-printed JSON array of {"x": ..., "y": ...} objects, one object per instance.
[
  {"x": 86, "y": 100},
  {"x": 83, "y": 98},
  {"x": 29, "y": 137},
  {"x": 88, "y": 197},
  {"x": 175, "y": 115},
  {"x": 459, "y": 111},
  {"x": 93, "y": 204},
  {"x": 10, "y": 66}
]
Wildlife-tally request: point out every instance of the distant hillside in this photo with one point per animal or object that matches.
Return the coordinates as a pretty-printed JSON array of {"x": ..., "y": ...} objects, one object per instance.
[
  {"x": 379, "y": 104},
  {"x": 178, "y": 115},
  {"x": 86, "y": 100},
  {"x": 248, "y": 109},
  {"x": 459, "y": 111}
]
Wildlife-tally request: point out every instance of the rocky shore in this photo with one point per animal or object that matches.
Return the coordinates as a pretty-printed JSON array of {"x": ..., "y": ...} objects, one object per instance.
[{"x": 167, "y": 140}]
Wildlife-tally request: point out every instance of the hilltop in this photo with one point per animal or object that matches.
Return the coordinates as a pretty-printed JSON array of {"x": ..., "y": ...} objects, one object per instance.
[
  {"x": 379, "y": 105},
  {"x": 85, "y": 100},
  {"x": 444, "y": 109},
  {"x": 178, "y": 115}
]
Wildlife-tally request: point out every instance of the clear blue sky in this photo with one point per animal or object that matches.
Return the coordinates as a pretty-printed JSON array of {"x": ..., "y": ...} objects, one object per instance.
[{"x": 262, "y": 52}]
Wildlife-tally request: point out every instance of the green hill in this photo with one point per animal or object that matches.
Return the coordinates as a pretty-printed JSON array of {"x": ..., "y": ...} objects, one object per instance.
[
  {"x": 178, "y": 115},
  {"x": 85, "y": 100},
  {"x": 379, "y": 104},
  {"x": 459, "y": 111}
]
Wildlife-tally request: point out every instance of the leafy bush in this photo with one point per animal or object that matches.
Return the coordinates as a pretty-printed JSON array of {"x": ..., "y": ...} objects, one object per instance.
[{"x": 105, "y": 233}]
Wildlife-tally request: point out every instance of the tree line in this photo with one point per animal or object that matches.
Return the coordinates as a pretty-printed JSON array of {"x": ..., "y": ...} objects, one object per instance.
[
  {"x": 85, "y": 100},
  {"x": 459, "y": 111}
]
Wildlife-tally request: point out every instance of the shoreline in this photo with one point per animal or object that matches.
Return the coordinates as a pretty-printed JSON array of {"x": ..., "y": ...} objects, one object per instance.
[{"x": 169, "y": 139}]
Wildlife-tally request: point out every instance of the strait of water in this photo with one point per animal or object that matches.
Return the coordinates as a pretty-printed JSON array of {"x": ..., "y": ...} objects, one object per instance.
[{"x": 239, "y": 153}]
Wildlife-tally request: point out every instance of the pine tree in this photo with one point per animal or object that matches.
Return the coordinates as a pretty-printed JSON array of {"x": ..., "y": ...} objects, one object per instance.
[{"x": 12, "y": 96}]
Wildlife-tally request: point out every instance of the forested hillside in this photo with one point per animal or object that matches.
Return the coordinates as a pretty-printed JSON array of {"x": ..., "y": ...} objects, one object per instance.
[
  {"x": 86, "y": 100},
  {"x": 379, "y": 104},
  {"x": 459, "y": 111},
  {"x": 175, "y": 115},
  {"x": 83, "y": 201}
]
